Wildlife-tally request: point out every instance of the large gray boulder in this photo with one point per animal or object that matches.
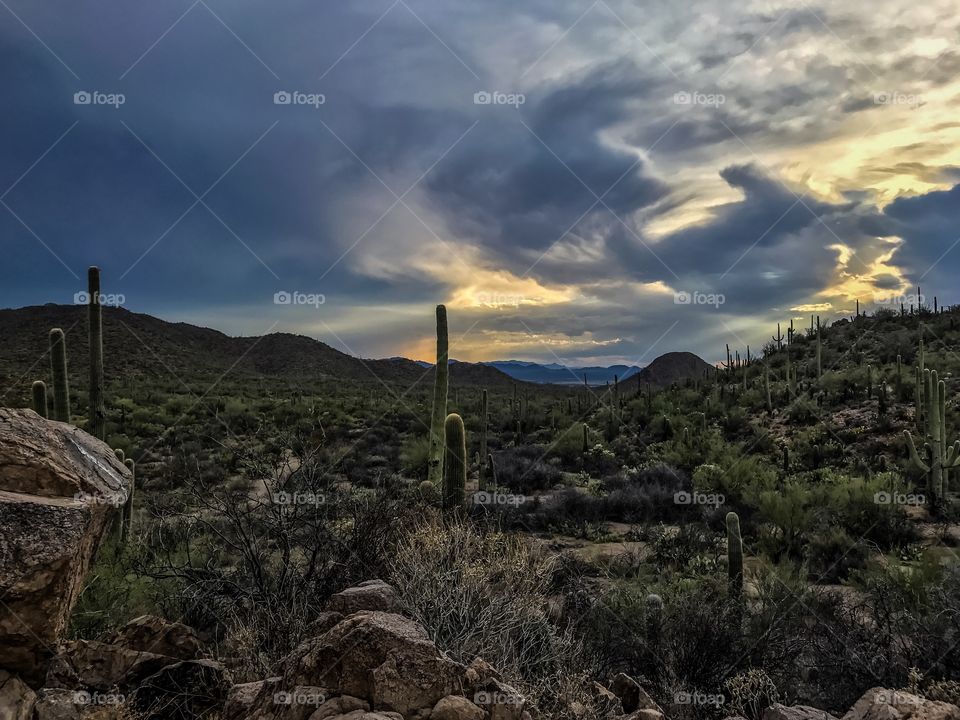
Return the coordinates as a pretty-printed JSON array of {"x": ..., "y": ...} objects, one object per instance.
[
  {"x": 882, "y": 704},
  {"x": 59, "y": 490}
]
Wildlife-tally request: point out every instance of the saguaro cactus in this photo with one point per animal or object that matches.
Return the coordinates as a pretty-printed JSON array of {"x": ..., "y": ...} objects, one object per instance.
[
  {"x": 654, "y": 619},
  {"x": 734, "y": 555},
  {"x": 943, "y": 457},
  {"x": 58, "y": 366},
  {"x": 454, "y": 463},
  {"x": 440, "y": 387},
  {"x": 40, "y": 398},
  {"x": 483, "y": 439},
  {"x": 97, "y": 422},
  {"x": 127, "y": 527},
  {"x": 819, "y": 351}
]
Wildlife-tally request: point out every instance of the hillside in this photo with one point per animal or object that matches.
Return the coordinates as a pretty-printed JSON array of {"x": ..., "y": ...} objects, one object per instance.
[
  {"x": 142, "y": 345},
  {"x": 674, "y": 367}
]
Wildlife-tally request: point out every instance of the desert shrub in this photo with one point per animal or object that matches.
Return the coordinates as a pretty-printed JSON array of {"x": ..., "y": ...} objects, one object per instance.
[
  {"x": 524, "y": 470},
  {"x": 679, "y": 549},
  {"x": 832, "y": 554},
  {"x": 750, "y": 693},
  {"x": 414, "y": 456},
  {"x": 486, "y": 595}
]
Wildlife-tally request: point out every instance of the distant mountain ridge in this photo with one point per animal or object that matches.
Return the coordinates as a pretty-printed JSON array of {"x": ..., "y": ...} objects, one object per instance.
[{"x": 666, "y": 369}]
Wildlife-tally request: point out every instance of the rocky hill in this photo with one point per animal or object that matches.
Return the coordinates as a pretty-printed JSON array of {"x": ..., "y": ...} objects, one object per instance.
[
  {"x": 674, "y": 367},
  {"x": 139, "y": 344}
]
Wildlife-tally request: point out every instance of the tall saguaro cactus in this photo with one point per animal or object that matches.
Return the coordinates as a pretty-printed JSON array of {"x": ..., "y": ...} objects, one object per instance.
[
  {"x": 819, "y": 351},
  {"x": 98, "y": 414},
  {"x": 942, "y": 457},
  {"x": 454, "y": 463},
  {"x": 58, "y": 367},
  {"x": 483, "y": 438},
  {"x": 127, "y": 520},
  {"x": 440, "y": 388},
  {"x": 734, "y": 555},
  {"x": 40, "y": 398}
]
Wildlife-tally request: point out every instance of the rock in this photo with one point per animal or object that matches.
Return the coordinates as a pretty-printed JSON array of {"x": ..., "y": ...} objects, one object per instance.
[
  {"x": 182, "y": 691},
  {"x": 632, "y": 696},
  {"x": 91, "y": 665},
  {"x": 323, "y": 622},
  {"x": 58, "y": 704},
  {"x": 17, "y": 700},
  {"x": 242, "y": 698},
  {"x": 502, "y": 701},
  {"x": 382, "y": 658},
  {"x": 795, "y": 712},
  {"x": 372, "y": 595},
  {"x": 152, "y": 634},
  {"x": 61, "y": 487},
  {"x": 882, "y": 704},
  {"x": 605, "y": 703},
  {"x": 646, "y": 714},
  {"x": 339, "y": 706},
  {"x": 456, "y": 707},
  {"x": 478, "y": 673}
]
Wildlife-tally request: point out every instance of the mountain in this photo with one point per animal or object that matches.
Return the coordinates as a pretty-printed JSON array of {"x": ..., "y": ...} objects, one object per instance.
[
  {"x": 664, "y": 370},
  {"x": 136, "y": 345},
  {"x": 674, "y": 367}
]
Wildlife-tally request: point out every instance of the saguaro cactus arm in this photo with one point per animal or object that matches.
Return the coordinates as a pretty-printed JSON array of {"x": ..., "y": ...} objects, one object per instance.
[{"x": 914, "y": 455}]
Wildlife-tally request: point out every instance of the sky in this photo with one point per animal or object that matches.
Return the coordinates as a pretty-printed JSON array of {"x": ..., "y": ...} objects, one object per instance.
[{"x": 580, "y": 183}]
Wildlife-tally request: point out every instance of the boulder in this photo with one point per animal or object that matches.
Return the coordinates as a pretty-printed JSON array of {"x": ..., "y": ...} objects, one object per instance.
[
  {"x": 456, "y": 707},
  {"x": 182, "y": 691},
  {"x": 321, "y": 623},
  {"x": 243, "y": 698},
  {"x": 342, "y": 705},
  {"x": 500, "y": 700},
  {"x": 632, "y": 696},
  {"x": 59, "y": 488},
  {"x": 372, "y": 595},
  {"x": 97, "y": 666},
  {"x": 17, "y": 700},
  {"x": 152, "y": 634},
  {"x": 882, "y": 704},
  {"x": 385, "y": 659},
  {"x": 58, "y": 704},
  {"x": 795, "y": 712}
]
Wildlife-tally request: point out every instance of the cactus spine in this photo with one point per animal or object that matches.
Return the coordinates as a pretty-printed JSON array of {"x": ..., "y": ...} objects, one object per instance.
[
  {"x": 454, "y": 463},
  {"x": 437, "y": 419},
  {"x": 943, "y": 457},
  {"x": 734, "y": 556},
  {"x": 58, "y": 366},
  {"x": 40, "y": 398}
]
